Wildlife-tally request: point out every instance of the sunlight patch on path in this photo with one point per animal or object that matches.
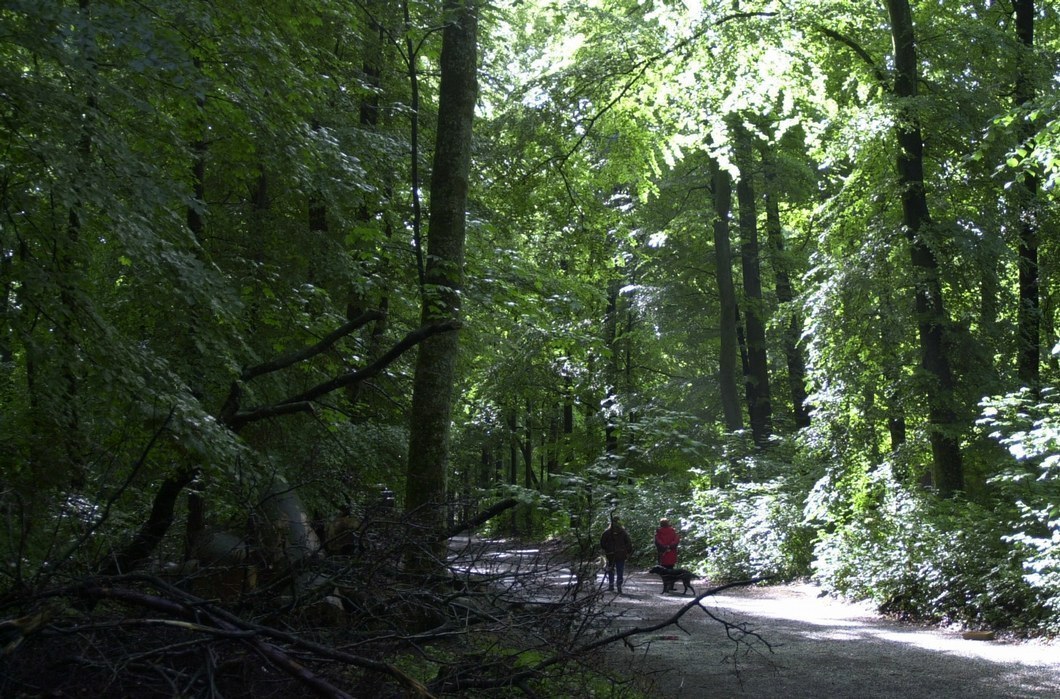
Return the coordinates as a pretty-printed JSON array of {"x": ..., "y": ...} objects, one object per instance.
[{"x": 843, "y": 621}]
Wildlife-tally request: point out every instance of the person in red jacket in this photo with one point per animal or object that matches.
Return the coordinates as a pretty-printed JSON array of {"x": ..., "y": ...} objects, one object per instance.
[{"x": 666, "y": 540}]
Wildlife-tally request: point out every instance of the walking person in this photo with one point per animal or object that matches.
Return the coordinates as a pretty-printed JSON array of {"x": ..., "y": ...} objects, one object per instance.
[{"x": 617, "y": 546}]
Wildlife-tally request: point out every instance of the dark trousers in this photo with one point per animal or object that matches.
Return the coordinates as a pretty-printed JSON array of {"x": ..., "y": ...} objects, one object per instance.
[{"x": 613, "y": 568}]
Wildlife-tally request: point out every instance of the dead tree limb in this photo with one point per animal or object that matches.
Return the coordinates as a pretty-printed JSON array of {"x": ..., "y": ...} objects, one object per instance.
[
  {"x": 208, "y": 618},
  {"x": 161, "y": 517},
  {"x": 455, "y": 682},
  {"x": 156, "y": 526}
]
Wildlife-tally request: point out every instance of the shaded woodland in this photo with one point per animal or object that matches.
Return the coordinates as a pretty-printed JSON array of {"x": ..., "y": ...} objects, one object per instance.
[{"x": 296, "y": 296}]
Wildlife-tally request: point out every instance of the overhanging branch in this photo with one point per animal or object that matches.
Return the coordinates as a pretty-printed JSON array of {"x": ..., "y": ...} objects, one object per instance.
[
  {"x": 309, "y": 352},
  {"x": 300, "y": 402}
]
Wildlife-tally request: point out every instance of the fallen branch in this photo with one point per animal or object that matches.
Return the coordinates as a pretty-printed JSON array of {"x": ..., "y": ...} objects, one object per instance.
[
  {"x": 228, "y": 625},
  {"x": 452, "y": 682},
  {"x": 156, "y": 526}
]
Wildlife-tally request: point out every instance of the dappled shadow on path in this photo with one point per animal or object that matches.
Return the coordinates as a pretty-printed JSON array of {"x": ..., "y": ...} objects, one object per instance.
[{"x": 792, "y": 643}]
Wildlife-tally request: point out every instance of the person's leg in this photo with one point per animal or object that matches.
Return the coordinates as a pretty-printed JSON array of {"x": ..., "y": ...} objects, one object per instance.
[
  {"x": 620, "y": 567},
  {"x": 609, "y": 570}
]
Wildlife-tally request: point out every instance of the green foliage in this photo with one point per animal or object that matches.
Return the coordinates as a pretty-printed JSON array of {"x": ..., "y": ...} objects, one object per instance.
[
  {"x": 1029, "y": 427},
  {"x": 915, "y": 555},
  {"x": 746, "y": 516}
]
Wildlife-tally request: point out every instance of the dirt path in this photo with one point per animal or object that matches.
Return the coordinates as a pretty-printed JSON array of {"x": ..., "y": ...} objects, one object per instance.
[{"x": 811, "y": 646}]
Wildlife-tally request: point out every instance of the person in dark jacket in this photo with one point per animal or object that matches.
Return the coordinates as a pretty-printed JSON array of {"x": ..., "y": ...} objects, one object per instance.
[
  {"x": 666, "y": 540},
  {"x": 617, "y": 546}
]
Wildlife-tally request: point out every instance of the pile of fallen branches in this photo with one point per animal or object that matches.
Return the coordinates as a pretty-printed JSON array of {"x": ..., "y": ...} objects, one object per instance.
[{"x": 503, "y": 617}]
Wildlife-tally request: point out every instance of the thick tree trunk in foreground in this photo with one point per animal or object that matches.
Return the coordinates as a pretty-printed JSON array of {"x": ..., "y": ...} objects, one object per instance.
[
  {"x": 432, "y": 397},
  {"x": 730, "y": 396},
  {"x": 948, "y": 470}
]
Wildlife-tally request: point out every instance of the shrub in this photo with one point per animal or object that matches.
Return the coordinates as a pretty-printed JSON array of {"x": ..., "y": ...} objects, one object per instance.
[
  {"x": 1028, "y": 426},
  {"x": 747, "y": 518},
  {"x": 915, "y": 555},
  {"x": 748, "y": 530}
]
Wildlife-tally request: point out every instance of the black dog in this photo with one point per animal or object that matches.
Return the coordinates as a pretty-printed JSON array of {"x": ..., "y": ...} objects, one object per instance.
[{"x": 670, "y": 576}]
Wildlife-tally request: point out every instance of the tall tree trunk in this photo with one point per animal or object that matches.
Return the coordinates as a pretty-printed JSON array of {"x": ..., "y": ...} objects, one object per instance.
[
  {"x": 433, "y": 385},
  {"x": 759, "y": 398},
  {"x": 729, "y": 352},
  {"x": 947, "y": 467},
  {"x": 1049, "y": 333},
  {"x": 358, "y": 302},
  {"x": 785, "y": 293},
  {"x": 1028, "y": 314},
  {"x": 612, "y": 373}
]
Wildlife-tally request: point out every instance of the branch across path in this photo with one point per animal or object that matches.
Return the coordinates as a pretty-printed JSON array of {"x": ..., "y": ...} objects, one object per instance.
[{"x": 792, "y": 643}]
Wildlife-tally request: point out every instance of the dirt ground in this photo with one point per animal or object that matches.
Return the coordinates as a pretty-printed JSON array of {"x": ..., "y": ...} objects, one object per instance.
[{"x": 792, "y": 642}]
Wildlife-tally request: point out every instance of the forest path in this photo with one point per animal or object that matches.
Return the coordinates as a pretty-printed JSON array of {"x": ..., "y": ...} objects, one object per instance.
[{"x": 813, "y": 646}]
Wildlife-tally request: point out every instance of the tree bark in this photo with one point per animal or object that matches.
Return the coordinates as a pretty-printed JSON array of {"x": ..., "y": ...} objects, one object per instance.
[
  {"x": 785, "y": 294},
  {"x": 947, "y": 467},
  {"x": 611, "y": 372},
  {"x": 759, "y": 397},
  {"x": 729, "y": 352},
  {"x": 1028, "y": 316},
  {"x": 435, "y": 376}
]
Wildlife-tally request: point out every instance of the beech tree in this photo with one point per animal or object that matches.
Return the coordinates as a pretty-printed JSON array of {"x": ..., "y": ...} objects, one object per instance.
[{"x": 434, "y": 384}]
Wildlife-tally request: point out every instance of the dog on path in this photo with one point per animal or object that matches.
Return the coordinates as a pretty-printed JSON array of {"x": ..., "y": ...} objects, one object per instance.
[{"x": 670, "y": 576}]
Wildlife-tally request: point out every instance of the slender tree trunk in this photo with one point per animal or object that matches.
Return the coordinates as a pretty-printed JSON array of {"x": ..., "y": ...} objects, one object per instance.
[
  {"x": 1049, "y": 333},
  {"x": 759, "y": 397},
  {"x": 1028, "y": 315},
  {"x": 414, "y": 134},
  {"x": 554, "y": 445},
  {"x": 6, "y": 294},
  {"x": 611, "y": 340},
  {"x": 358, "y": 302},
  {"x": 513, "y": 465},
  {"x": 729, "y": 352},
  {"x": 785, "y": 295},
  {"x": 527, "y": 448},
  {"x": 948, "y": 470}
]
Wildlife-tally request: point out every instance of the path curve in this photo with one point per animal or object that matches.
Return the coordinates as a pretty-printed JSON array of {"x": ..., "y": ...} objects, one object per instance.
[{"x": 817, "y": 647}]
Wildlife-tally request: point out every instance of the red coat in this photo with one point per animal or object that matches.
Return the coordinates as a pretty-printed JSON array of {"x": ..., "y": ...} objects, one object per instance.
[{"x": 666, "y": 540}]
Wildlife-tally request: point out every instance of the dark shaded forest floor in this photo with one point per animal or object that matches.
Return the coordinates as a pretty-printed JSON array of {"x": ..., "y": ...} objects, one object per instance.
[{"x": 795, "y": 643}]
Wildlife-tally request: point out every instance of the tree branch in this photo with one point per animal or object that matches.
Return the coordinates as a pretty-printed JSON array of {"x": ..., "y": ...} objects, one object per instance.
[
  {"x": 860, "y": 52},
  {"x": 638, "y": 71},
  {"x": 298, "y": 403},
  {"x": 456, "y": 682},
  {"x": 480, "y": 518},
  {"x": 157, "y": 524},
  {"x": 309, "y": 352},
  {"x": 228, "y": 625}
]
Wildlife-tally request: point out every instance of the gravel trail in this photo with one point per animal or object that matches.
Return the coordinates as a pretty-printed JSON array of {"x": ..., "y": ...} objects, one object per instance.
[{"x": 794, "y": 643}]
